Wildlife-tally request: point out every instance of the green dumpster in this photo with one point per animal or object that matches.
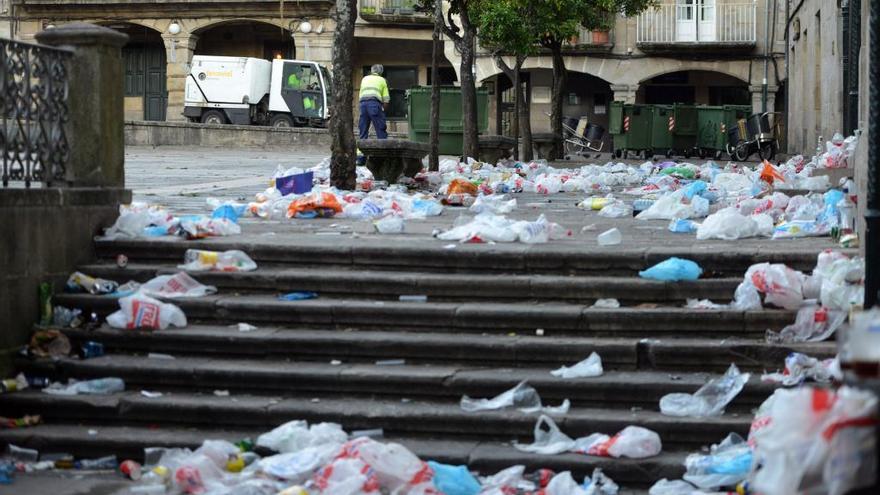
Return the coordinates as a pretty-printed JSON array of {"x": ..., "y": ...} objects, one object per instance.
[
  {"x": 684, "y": 135},
  {"x": 451, "y": 124},
  {"x": 632, "y": 124},
  {"x": 661, "y": 135},
  {"x": 711, "y": 131}
]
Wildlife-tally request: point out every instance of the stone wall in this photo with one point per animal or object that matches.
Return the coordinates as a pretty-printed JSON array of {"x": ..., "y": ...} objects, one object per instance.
[{"x": 47, "y": 233}]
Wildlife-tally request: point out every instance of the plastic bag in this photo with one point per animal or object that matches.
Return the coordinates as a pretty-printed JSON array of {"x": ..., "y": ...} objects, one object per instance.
[
  {"x": 391, "y": 224},
  {"x": 727, "y": 464},
  {"x": 140, "y": 311},
  {"x": 683, "y": 226},
  {"x": 616, "y": 209},
  {"x": 588, "y": 368},
  {"x": 299, "y": 466},
  {"x": 563, "y": 484},
  {"x": 227, "y": 261},
  {"x": 346, "y": 476},
  {"x": 728, "y": 224},
  {"x": 633, "y": 442},
  {"x": 506, "y": 481},
  {"x": 493, "y": 204},
  {"x": 398, "y": 469},
  {"x": 600, "y": 484},
  {"x": 746, "y": 297},
  {"x": 454, "y": 480},
  {"x": 815, "y": 440},
  {"x": 800, "y": 367},
  {"x": 315, "y": 204},
  {"x": 709, "y": 400},
  {"x": 782, "y": 286},
  {"x": 812, "y": 324},
  {"x": 676, "y": 205},
  {"x": 842, "y": 284},
  {"x": 675, "y": 487},
  {"x": 672, "y": 270},
  {"x": 521, "y": 396},
  {"x": 98, "y": 386},
  {"x": 550, "y": 441},
  {"x": 177, "y": 285},
  {"x": 200, "y": 227},
  {"x": 297, "y": 435},
  {"x": 484, "y": 227}
]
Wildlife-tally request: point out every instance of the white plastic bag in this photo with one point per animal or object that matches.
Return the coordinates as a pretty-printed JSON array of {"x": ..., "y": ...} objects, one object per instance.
[
  {"x": 521, "y": 396},
  {"x": 297, "y": 435},
  {"x": 391, "y": 224},
  {"x": 550, "y": 441},
  {"x": 800, "y": 367},
  {"x": 177, "y": 285},
  {"x": 140, "y": 311},
  {"x": 600, "y": 484},
  {"x": 299, "y": 466},
  {"x": 564, "y": 484},
  {"x": 616, "y": 209},
  {"x": 728, "y": 224},
  {"x": 633, "y": 442},
  {"x": 497, "y": 204},
  {"x": 709, "y": 400},
  {"x": 781, "y": 285},
  {"x": 812, "y": 324},
  {"x": 746, "y": 297},
  {"x": 727, "y": 464},
  {"x": 675, "y": 487},
  {"x": 588, "y": 368}
]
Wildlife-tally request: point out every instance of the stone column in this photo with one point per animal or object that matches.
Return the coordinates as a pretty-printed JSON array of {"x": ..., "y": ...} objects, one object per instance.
[
  {"x": 624, "y": 93},
  {"x": 95, "y": 130},
  {"x": 758, "y": 99},
  {"x": 179, "y": 50},
  {"x": 315, "y": 47}
]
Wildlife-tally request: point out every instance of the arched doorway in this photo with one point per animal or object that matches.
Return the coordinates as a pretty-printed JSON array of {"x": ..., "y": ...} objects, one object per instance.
[
  {"x": 694, "y": 87},
  {"x": 146, "y": 94},
  {"x": 246, "y": 39}
]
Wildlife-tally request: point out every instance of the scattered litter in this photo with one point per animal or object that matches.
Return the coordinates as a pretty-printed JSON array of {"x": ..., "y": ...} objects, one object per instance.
[
  {"x": 335, "y": 362},
  {"x": 633, "y": 442},
  {"x": 673, "y": 270},
  {"x": 726, "y": 465},
  {"x": 244, "y": 327},
  {"x": 151, "y": 395},
  {"x": 606, "y": 304},
  {"x": 539, "y": 332},
  {"x": 391, "y": 224},
  {"x": 80, "y": 282},
  {"x": 588, "y": 368},
  {"x": 99, "y": 386},
  {"x": 226, "y": 261},
  {"x": 549, "y": 440},
  {"x": 709, "y": 400},
  {"x": 800, "y": 367},
  {"x": 159, "y": 355},
  {"x": 610, "y": 237},
  {"x": 221, "y": 393},
  {"x": 391, "y": 362}
]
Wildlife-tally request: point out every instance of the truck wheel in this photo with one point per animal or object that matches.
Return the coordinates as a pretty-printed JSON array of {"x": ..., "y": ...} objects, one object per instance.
[
  {"x": 213, "y": 117},
  {"x": 281, "y": 120}
]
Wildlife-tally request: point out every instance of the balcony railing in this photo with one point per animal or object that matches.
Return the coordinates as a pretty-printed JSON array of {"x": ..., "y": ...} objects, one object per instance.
[
  {"x": 709, "y": 22},
  {"x": 391, "y": 10},
  {"x": 593, "y": 39}
]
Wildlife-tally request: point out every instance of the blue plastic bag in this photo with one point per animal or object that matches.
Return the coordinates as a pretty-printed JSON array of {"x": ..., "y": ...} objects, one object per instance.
[
  {"x": 695, "y": 188},
  {"x": 298, "y": 296},
  {"x": 673, "y": 270},
  {"x": 227, "y": 211},
  {"x": 454, "y": 480},
  {"x": 683, "y": 226}
]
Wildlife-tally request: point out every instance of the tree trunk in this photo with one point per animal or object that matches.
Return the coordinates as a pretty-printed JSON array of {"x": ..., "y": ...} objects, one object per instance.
[
  {"x": 525, "y": 123},
  {"x": 343, "y": 154},
  {"x": 467, "y": 47},
  {"x": 517, "y": 103},
  {"x": 522, "y": 116},
  {"x": 559, "y": 76},
  {"x": 434, "y": 160}
]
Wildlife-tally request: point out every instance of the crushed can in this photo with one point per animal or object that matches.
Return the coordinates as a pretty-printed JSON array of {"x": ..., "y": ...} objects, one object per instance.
[
  {"x": 92, "y": 349},
  {"x": 131, "y": 469}
]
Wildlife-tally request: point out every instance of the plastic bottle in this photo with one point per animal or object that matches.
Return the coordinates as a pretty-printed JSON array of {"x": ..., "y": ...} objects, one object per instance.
[
  {"x": 609, "y": 237},
  {"x": 100, "y": 386},
  {"x": 227, "y": 261},
  {"x": 108, "y": 462}
]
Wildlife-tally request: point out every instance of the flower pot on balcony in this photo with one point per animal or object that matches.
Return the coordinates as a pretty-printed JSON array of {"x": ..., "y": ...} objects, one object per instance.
[
  {"x": 601, "y": 37},
  {"x": 574, "y": 40}
]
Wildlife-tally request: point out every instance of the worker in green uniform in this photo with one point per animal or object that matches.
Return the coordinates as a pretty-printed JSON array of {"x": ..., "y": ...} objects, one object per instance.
[{"x": 374, "y": 97}]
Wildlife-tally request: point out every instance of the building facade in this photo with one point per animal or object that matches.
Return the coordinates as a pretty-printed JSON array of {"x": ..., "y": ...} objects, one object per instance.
[{"x": 685, "y": 51}]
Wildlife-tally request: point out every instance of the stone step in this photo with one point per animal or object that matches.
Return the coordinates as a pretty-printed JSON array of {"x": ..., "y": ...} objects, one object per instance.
[
  {"x": 437, "y": 286},
  {"x": 396, "y": 418},
  {"x": 614, "y": 389},
  {"x": 451, "y": 348},
  {"x": 484, "y": 457},
  {"x": 431, "y": 255},
  {"x": 555, "y": 319}
]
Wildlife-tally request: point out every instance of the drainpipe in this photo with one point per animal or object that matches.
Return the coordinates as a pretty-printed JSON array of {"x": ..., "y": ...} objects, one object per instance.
[
  {"x": 764, "y": 94},
  {"x": 872, "y": 213}
]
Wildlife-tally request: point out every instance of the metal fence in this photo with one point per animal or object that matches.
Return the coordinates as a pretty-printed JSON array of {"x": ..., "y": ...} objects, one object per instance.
[
  {"x": 700, "y": 22},
  {"x": 33, "y": 102},
  {"x": 389, "y": 7}
]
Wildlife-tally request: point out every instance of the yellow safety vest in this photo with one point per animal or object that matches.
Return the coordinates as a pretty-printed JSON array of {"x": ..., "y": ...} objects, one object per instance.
[{"x": 375, "y": 87}]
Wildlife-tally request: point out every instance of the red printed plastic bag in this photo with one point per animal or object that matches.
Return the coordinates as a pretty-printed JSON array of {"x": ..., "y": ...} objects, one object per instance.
[{"x": 140, "y": 311}]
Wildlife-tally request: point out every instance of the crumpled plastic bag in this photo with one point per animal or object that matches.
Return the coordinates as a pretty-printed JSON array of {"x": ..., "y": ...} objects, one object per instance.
[
  {"x": 816, "y": 440},
  {"x": 709, "y": 400},
  {"x": 397, "y": 469},
  {"x": 177, "y": 285},
  {"x": 727, "y": 464},
  {"x": 673, "y": 270},
  {"x": 196, "y": 260},
  {"x": 674, "y": 487},
  {"x": 141, "y": 220},
  {"x": 746, "y": 297},
  {"x": 523, "y": 397},
  {"x": 800, "y": 367},
  {"x": 392, "y": 224},
  {"x": 454, "y": 480},
  {"x": 588, "y": 368},
  {"x": 298, "y": 466},
  {"x": 633, "y": 442},
  {"x": 842, "y": 283},
  {"x": 144, "y": 312},
  {"x": 201, "y": 226},
  {"x": 314, "y": 204},
  {"x": 616, "y": 209},
  {"x": 676, "y": 205},
  {"x": 812, "y": 324},
  {"x": 564, "y": 484},
  {"x": 497, "y": 204},
  {"x": 98, "y": 386},
  {"x": 781, "y": 285},
  {"x": 297, "y": 435},
  {"x": 506, "y": 481},
  {"x": 728, "y": 224},
  {"x": 346, "y": 476},
  {"x": 600, "y": 484},
  {"x": 548, "y": 441}
]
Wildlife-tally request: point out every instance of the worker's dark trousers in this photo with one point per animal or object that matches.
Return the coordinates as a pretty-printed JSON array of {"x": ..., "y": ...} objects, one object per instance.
[{"x": 372, "y": 111}]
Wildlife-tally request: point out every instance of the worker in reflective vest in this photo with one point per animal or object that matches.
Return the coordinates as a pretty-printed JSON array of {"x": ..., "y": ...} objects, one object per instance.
[{"x": 374, "y": 99}]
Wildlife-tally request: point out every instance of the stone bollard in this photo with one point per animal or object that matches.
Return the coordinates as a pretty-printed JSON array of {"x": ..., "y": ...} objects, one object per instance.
[{"x": 95, "y": 131}]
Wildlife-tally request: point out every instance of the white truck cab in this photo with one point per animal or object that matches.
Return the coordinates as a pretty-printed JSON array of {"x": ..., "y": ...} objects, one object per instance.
[{"x": 244, "y": 90}]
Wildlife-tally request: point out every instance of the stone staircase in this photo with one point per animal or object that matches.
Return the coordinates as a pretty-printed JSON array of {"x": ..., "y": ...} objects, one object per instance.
[{"x": 476, "y": 335}]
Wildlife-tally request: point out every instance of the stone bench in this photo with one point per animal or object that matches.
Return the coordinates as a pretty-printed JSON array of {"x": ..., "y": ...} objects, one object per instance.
[
  {"x": 494, "y": 148},
  {"x": 388, "y": 159},
  {"x": 543, "y": 144}
]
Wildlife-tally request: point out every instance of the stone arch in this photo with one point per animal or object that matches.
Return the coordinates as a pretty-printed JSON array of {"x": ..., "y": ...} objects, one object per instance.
[{"x": 246, "y": 37}]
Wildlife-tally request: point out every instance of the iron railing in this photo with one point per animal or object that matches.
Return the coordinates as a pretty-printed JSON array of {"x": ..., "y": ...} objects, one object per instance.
[
  {"x": 700, "y": 22},
  {"x": 389, "y": 7},
  {"x": 33, "y": 102}
]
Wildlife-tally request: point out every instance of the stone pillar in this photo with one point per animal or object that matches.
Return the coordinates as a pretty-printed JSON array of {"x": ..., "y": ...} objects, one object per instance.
[
  {"x": 624, "y": 93},
  {"x": 179, "y": 50},
  {"x": 316, "y": 47},
  {"x": 758, "y": 97},
  {"x": 95, "y": 130}
]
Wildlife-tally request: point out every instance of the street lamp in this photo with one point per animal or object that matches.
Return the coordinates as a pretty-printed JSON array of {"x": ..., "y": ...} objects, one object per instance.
[
  {"x": 305, "y": 27},
  {"x": 174, "y": 28}
]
